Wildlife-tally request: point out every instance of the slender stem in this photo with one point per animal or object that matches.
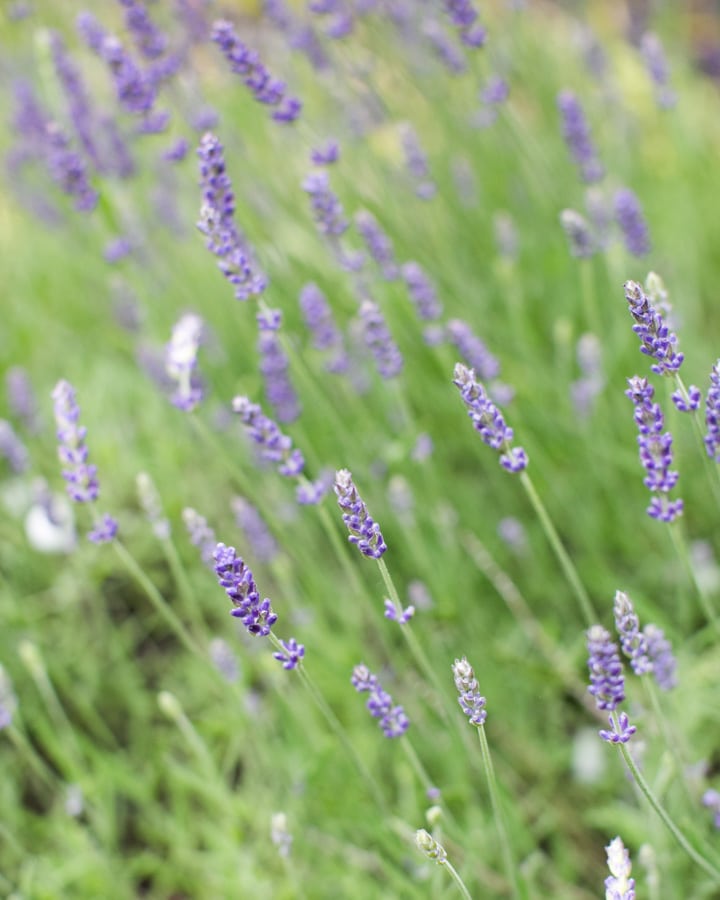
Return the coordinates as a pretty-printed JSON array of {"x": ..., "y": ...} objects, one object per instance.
[
  {"x": 182, "y": 581},
  {"x": 682, "y": 552},
  {"x": 457, "y": 879},
  {"x": 561, "y": 553},
  {"x": 158, "y": 601},
  {"x": 509, "y": 862},
  {"x": 664, "y": 815},
  {"x": 35, "y": 761},
  {"x": 707, "y": 461}
]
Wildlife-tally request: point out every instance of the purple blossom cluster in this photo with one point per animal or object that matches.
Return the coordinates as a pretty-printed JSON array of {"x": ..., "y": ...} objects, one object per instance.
[
  {"x": 578, "y": 233},
  {"x": 422, "y": 291},
  {"x": 311, "y": 493},
  {"x": 181, "y": 355},
  {"x": 398, "y": 614},
  {"x": 619, "y": 885},
  {"x": 12, "y": 448},
  {"x": 339, "y": 15},
  {"x": 417, "y": 164},
  {"x": 712, "y": 414},
  {"x": 655, "y": 447},
  {"x": 200, "y": 534},
  {"x": 327, "y": 209},
  {"x": 148, "y": 38},
  {"x": 629, "y": 216},
  {"x": 319, "y": 319},
  {"x": 488, "y": 421},
  {"x": 607, "y": 683},
  {"x": 21, "y": 398},
  {"x": 77, "y": 98},
  {"x": 656, "y": 63},
  {"x": 325, "y": 154},
  {"x": 472, "y": 349},
  {"x": 632, "y": 640},
  {"x": 68, "y": 170},
  {"x": 274, "y": 366},
  {"x": 246, "y": 63},
  {"x": 393, "y": 721},
  {"x": 378, "y": 244},
  {"x": 663, "y": 660},
  {"x": 463, "y": 15},
  {"x": 217, "y": 222},
  {"x": 576, "y": 132},
  {"x": 444, "y": 47},
  {"x": 471, "y": 701},
  {"x": 237, "y": 580},
  {"x": 364, "y": 531},
  {"x": 379, "y": 341},
  {"x": 272, "y": 444},
  {"x": 263, "y": 545},
  {"x": 656, "y": 339}
]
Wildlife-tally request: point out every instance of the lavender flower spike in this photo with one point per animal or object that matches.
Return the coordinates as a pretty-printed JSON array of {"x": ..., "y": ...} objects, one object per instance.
[
  {"x": 712, "y": 414},
  {"x": 656, "y": 339},
  {"x": 273, "y": 445},
  {"x": 488, "y": 420},
  {"x": 576, "y": 132},
  {"x": 633, "y": 642},
  {"x": 201, "y": 534},
  {"x": 379, "y": 341},
  {"x": 378, "y": 244},
  {"x": 12, "y": 448},
  {"x": 577, "y": 231},
  {"x": 237, "y": 580},
  {"x": 429, "y": 847},
  {"x": 181, "y": 361},
  {"x": 654, "y": 56},
  {"x": 81, "y": 476},
  {"x": 393, "y": 721},
  {"x": 274, "y": 366},
  {"x": 620, "y": 732},
  {"x": 291, "y": 654},
  {"x": 319, "y": 319},
  {"x": 422, "y": 291},
  {"x": 619, "y": 885},
  {"x": 661, "y": 656},
  {"x": 327, "y": 209},
  {"x": 470, "y": 700},
  {"x": 655, "y": 448},
  {"x": 629, "y": 216},
  {"x": 364, "y": 531},
  {"x": 607, "y": 684}
]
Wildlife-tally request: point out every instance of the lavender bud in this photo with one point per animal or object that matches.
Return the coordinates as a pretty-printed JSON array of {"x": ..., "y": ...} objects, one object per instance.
[
  {"x": 274, "y": 366},
  {"x": 417, "y": 164},
  {"x": 399, "y": 615},
  {"x": 712, "y": 414},
  {"x": 488, "y": 420},
  {"x": 273, "y": 445},
  {"x": 181, "y": 361},
  {"x": 620, "y": 732},
  {"x": 378, "y": 244},
  {"x": 629, "y": 216},
  {"x": 364, "y": 531},
  {"x": 263, "y": 545},
  {"x": 472, "y": 349},
  {"x": 148, "y": 38},
  {"x": 607, "y": 683},
  {"x": 326, "y": 154},
  {"x": 445, "y": 48},
  {"x": 689, "y": 402},
  {"x": 327, "y": 209},
  {"x": 710, "y": 799},
  {"x": 201, "y": 534},
  {"x": 177, "y": 151},
  {"x": 21, "y": 398},
  {"x": 12, "y": 448},
  {"x": 81, "y": 477},
  {"x": 470, "y": 700},
  {"x": 632, "y": 641},
  {"x": 513, "y": 533},
  {"x": 105, "y": 530},
  {"x": 662, "y": 660},
  {"x": 577, "y": 231},
  {"x": 656, "y": 340},
  {"x": 429, "y": 847},
  {"x": 291, "y": 654},
  {"x": 379, "y": 341},
  {"x": 67, "y": 169},
  {"x": 238, "y": 582},
  {"x": 422, "y": 291},
  {"x": 463, "y": 15},
  {"x": 576, "y": 132},
  {"x": 319, "y": 319},
  {"x": 654, "y": 56},
  {"x": 393, "y": 721},
  {"x": 619, "y": 885},
  {"x": 311, "y": 493}
]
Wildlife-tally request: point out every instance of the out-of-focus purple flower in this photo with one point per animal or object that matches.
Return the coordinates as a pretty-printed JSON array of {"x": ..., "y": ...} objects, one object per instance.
[
  {"x": 181, "y": 361},
  {"x": 577, "y": 231},
  {"x": 8, "y": 700},
  {"x": 224, "y": 659},
  {"x": 104, "y": 531},
  {"x": 472, "y": 349},
  {"x": 81, "y": 476},
  {"x": 689, "y": 402},
  {"x": 117, "y": 249},
  {"x": 378, "y": 243},
  {"x": 327, "y": 209},
  {"x": 422, "y": 291},
  {"x": 272, "y": 444},
  {"x": 274, "y": 366},
  {"x": 201, "y": 534},
  {"x": 663, "y": 661},
  {"x": 607, "y": 683},
  {"x": 118, "y": 157},
  {"x": 470, "y": 700},
  {"x": 203, "y": 119},
  {"x": 584, "y": 391},
  {"x": 423, "y": 448},
  {"x": 632, "y": 640},
  {"x": 401, "y": 616},
  {"x": 416, "y": 163},
  {"x": 393, "y": 721},
  {"x": 364, "y": 531},
  {"x": 712, "y": 414},
  {"x": 12, "y": 448},
  {"x": 238, "y": 582},
  {"x": 656, "y": 339},
  {"x": 655, "y": 447},
  {"x": 445, "y": 48},
  {"x": 619, "y": 885},
  {"x": 68, "y": 170},
  {"x": 77, "y": 98},
  {"x": 319, "y": 319},
  {"x": 246, "y": 63},
  {"x": 291, "y": 654},
  {"x": 463, "y": 15},
  {"x": 488, "y": 420},
  {"x": 340, "y": 18},
  {"x": 576, "y": 132},
  {"x": 21, "y": 398},
  {"x": 148, "y": 38},
  {"x": 512, "y": 532},
  {"x": 506, "y": 236},
  {"x": 654, "y": 55},
  {"x": 261, "y": 542},
  {"x": 496, "y": 91},
  {"x": 379, "y": 341},
  {"x": 711, "y": 800},
  {"x": 155, "y": 121},
  {"x": 312, "y": 492},
  {"x": 152, "y": 506},
  {"x": 90, "y": 30},
  {"x": 629, "y": 216},
  {"x": 217, "y": 222},
  {"x": 325, "y": 154},
  {"x": 192, "y": 14},
  {"x": 620, "y": 732}
]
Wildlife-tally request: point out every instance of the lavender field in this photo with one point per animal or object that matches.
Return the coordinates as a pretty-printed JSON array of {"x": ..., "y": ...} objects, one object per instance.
[{"x": 359, "y": 451}]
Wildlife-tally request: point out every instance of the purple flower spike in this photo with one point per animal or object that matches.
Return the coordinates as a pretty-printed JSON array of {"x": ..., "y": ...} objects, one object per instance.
[
  {"x": 488, "y": 420},
  {"x": 76, "y": 95},
  {"x": 326, "y": 154},
  {"x": 576, "y": 132},
  {"x": 379, "y": 341},
  {"x": 629, "y": 216},
  {"x": 393, "y": 721},
  {"x": 470, "y": 700},
  {"x": 181, "y": 361},
  {"x": 712, "y": 414},
  {"x": 417, "y": 164},
  {"x": 689, "y": 404},
  {"x": 263, "y": 545},
  {"x": 327, "y": 209},
  {"x": 104, "y": 531},
  {"x": 21, "y": 398},
  {"x": 313, "y": 492},
  {"x": 246, "y": 63},
  {"x": 661, "y": 656},
  {"x": 577, "y": 231},
  {"x": 619, "y": 885},
  {"x": 473, "y": 350},
  {"x": 81, "y": 477},
  {"x": 378, "y": 244},
  {"x": 148, "y": 38},
  {"x": 68, "y": 170},
  {"x": 401, "y": 616},
  {"x": 633, "y": 642},
  {"x": 656, "y": 339},
  {"x": 319, "y": 319},
  {"x": 655, "y": 447},
  {"x": 364, "y": 531},
  {"x": 607, "y": 684},
  {"x": 291, "y": 654},
  {"x": 274, "y": 366},
  {"x": 201, "y": 534},
  {"x": 237, "y": 580},
  {"x": 654, "y": 56},
  {"x": 463, "y": 16},
  {"x": 619, "y": 733},
  {"x": 273, "y": 445},
  {"x": 12, "y": 448},
  {"x": 422, "y": 292}
]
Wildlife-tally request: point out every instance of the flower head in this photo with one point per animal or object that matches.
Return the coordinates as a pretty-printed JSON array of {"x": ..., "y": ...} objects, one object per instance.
[
  {"x": 629, "y": 216},
  {"x": 656, "y": 339},
  {"x": 607, "y": 683},
  {"x": 619, "y": 885},
  {"x": 470, "y": 700},
  {"x": 181, "y": 361},
  {"x": 81, "y": 476},
  {"x": 632, "y": 640},
  {"x": 379, "y": 341},
  {"x": 273, "y": 445},
  {"x": 291, "y": 654},
  {"x": 393, "y": 721},
  {"x": 712, "y": 414},
  {"x": 237, "y": 580},
  {"x": 274, "y": 365},
  {"x": 576, "y": 132},
  {"x": 364, "y": 531},
  {"x": 662, "y": 659},
  {"x": 620, "y": 732}
]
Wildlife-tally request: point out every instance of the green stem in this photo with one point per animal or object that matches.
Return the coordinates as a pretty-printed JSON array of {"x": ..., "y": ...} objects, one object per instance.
[
  {"x": 35, "y": 761},
  {"x": 561, "y": 553},
  {"x": 509, "y": 862},
  {"x": 707, "y": 461},
  {"x": 663, "y": 814},
  {"x": 457, "y": 879},
  {"x": 182, "y": 581},
  {"x": 681, "y": 548}
]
